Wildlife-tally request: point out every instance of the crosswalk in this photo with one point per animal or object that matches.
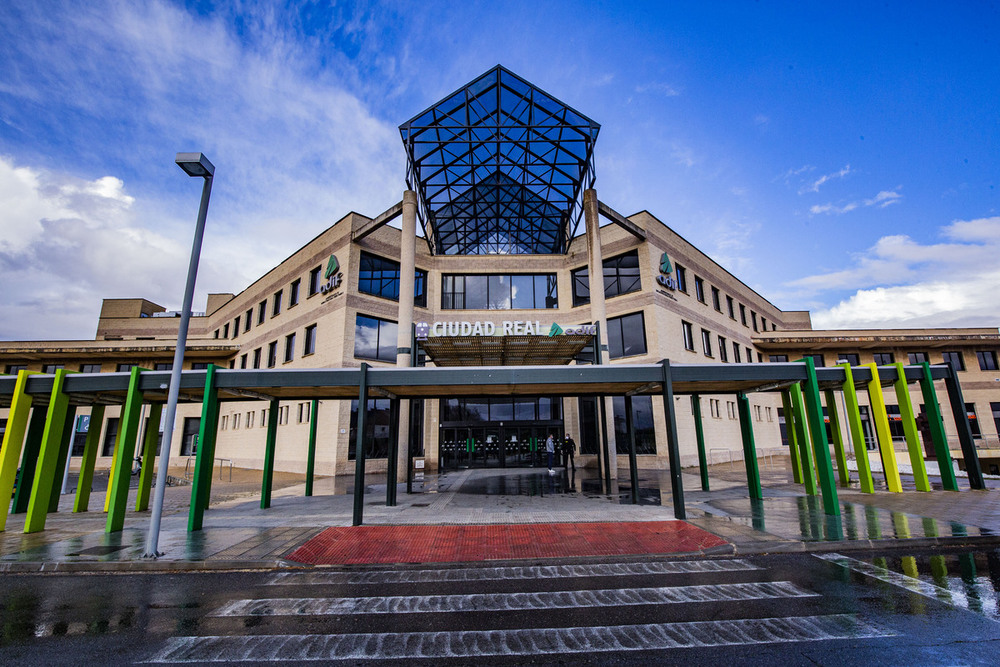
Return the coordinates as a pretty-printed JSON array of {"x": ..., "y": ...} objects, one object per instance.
[{"x": 514, "y": 611}]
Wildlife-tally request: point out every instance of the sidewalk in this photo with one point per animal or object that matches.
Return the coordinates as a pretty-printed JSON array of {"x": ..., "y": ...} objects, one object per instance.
[{"x": 504, "y": 514}]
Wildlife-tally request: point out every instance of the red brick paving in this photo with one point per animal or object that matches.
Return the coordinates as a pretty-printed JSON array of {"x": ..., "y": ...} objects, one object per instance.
[{"x": 449, "y": 544}]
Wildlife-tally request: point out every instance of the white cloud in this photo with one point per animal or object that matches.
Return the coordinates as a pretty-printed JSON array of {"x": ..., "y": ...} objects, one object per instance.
[
  {"x": 901, "y": 282},
  {"x": 815, "y": 185},
  {"x": 658, "y": 87},
  {"x": 881, "y": 200}
]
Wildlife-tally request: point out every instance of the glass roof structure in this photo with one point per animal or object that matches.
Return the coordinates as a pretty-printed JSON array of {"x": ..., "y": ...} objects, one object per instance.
[{"x": 499, "y": 167}]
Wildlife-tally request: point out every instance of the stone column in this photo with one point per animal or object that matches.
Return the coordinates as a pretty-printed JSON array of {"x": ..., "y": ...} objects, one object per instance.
[
  {"x": 407, "y": 270},
  {"x": 597, "y": 311}
]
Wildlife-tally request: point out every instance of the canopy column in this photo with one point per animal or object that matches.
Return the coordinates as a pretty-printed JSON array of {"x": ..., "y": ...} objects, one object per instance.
[
  {"x": 699, "y": 432},
  {"x": 881, "y": 419},
  {"x": 359, "y": 448},
  {"x": 128, "y": 431},
  {"x": 790, "y": 433},
  {"x": 62, "y": 465},
  {"x": 802, "y": 439},
  {"x": 838, "y": 438},
  {"x": 961, "y": 415},
  {"x": 936, "y": 424},
  {"x": 910, "y": 430},
  {"x": 48, "y": 456},
  {"x": 405, "y": 352},
  {"x": 821, "y": 447},
  {"x": 18, "y": 418},
  {"x": 29, "y": 459},
  {"x": 82, "y": 500},
  {"x": 749, "y": 448},
  {"x": 673, "y": 443},
  {"x": 205, "y": 456},
  {"x": 853, "y": 411},
  {"x": 391, "y": 472},
  {"x": 633, "y": 471},
  {"x": 311, "y": 456},
  {"x": 149, "y": 440},
  {"x": 270, "y": 445}
]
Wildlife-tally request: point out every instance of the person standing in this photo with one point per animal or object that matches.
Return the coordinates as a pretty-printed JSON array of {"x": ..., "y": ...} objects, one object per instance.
[
  {"x": 570, "y": 448},
  {"x": 550, "y": 449}
]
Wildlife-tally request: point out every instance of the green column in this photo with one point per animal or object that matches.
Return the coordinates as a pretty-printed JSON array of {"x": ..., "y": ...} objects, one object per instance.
[
  {"x": 48, "y": 456},
  {"x": 128, "y": 431},
  {"x": 205, "y": 455},
  {"x": 881, "y": 420},
  {"x": 93, "y": 442},
  {"x": 838, "y": 438},
  {"x": 961, "y": 415},
  {"x": 633, "y": 471},
  {"x": 13, "y": 440},
  {"x": 392, "y": 462},
  {"x": 821, "y": 447},
  {"x": 270, "y": 443},
  {"x": 910, "y": 430},
  {"x": 311, "y": 459},
  {"x": 359, "y": 448},
  {"x": 699, "y": 432},
  {"x": 749, "y": 449},
  {"x": 29, "y": 459},
  {"x": 793, "y": 445},
  {"x": 61, "y": 463},
  {"x": 149, "y": 438},
  {"x": 673, "y": 443},
  {"x": 936, "y": 423},
  {"x": 857, "y": 432},
  {"x": 802, "y": 439}
]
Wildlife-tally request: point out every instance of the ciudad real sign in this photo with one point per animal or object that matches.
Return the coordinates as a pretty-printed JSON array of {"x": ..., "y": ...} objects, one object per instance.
[{"x": 425, "y": 330}]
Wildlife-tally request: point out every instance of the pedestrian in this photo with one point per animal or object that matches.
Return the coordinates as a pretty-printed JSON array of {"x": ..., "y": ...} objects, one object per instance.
[
  {"x": 550, "y": 449},
  {"x": 570, "y": 448}
]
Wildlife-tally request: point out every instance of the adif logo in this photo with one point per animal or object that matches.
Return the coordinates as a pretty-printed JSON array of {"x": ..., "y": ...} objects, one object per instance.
[
  {"x": 666, "y": 268},
  {"x": 556, "y": 330},
  {"x": 665, "y": 265},
  {"x": 333, "y": 275},
  {"x": 333, "y": 266}
]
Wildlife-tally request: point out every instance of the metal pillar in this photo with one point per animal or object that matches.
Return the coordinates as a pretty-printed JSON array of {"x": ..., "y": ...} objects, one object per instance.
[
  {"x": 964, "y": 430},
  {"x": 82, "y": 500},
  {"x": 311, "y": 457},
  {"x": 802, "y": 440},
  {"x": 13, "y": 440},
  {"x": 48, "y": 456},
  {"x": 857, "y": 432},
  {"x": 29, "y": 459},
  {"x": 673, "y": 444},
  {"x": 205, "y": 456},
  {"x": 633, "y": 472},
  {"x": 391, "y": 468},
  {"x": 881, "y": 419},
  {"x": 790, "y": 434},
  {"x": 910, "y": 430},
  {"x": 128, "y": 431},
  {"x": 149, "y": 439},
  {"x": 749, "y": 448},
  {"x": 270, "y": 444},
  {"x": 838, "y": 438},
  {"x": 699, "y": 432},
  {"x": 62, "y": 469},
  {"x": 605, "y": 438},
  {"x": 936, "y": 424},
  {"x": 821, "y": 448},
  {"x": 359, "y": 448}
]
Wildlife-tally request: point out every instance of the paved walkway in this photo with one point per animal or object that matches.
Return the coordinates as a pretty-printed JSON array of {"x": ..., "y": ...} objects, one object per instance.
[{"x": 238, "y": 534}]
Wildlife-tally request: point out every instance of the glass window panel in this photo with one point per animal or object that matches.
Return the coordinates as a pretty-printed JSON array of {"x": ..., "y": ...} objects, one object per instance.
[
  {"x": 366, "y": 338},
  {"x": 524, "y": 409},
  {"x": 499, "y": 292},
  {"x": 522, "y": 291},
  {"x": 581, "y": 286},
  {"x": 545, "y": 409},
  {"x": 501, "y": 410},
  {"x": 477, "y": 409},
  {"x": 476, "y": 293}
]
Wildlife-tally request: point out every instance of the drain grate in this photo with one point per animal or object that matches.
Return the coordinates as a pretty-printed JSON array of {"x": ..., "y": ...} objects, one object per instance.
[
  {"x": 420, "y": 505},
  {"x": 104, "y": 550}
]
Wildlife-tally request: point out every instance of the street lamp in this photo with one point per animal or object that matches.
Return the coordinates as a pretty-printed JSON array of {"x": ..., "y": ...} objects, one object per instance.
[{"x": 193, "y": 164}]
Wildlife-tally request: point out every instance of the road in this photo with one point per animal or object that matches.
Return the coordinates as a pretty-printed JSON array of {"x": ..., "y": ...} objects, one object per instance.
[{"x": 889, "y": 609}]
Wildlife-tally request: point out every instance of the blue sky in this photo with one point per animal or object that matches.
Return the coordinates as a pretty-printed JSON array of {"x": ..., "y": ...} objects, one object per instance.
[{"x": 837, "y": 157}]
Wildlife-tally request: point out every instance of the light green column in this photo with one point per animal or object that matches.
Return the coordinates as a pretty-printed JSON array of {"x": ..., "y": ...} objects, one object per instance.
[
  {"x": 13, "y": 440},
  {"x": 269, "y": 446},
  {"x": 311, "y": 459},
  {"x": 802, "y": 440},
  {"x": 838, "y": 438},
  {"x": 48, "y": 456},
  {"x": 910, "y": 430},
  {"x": 29, "y": 459},
  {"x": 821, "y": 447},
  {"x": 149, "y": 438},
  {"x": 881, "y": 420},
  {"x": 856, "y": 430},
  {"x": 205, "y": 456},
  {"x": 699, "y": 432},
  {"x": 82, "y": 500},
  {"x": 749, "y": 449},
  {"x": 793, "y": 445},
  {"x": 128, "y": 432},
  {"x": 64, "y": 445},
  {"x": 936, "y": 423}
]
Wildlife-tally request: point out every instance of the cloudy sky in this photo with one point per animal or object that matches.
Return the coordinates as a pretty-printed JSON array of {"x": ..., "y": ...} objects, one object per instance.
[{"x": 836, "y": 157}]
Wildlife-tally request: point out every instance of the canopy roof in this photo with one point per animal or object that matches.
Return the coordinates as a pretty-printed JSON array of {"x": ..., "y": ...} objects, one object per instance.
[{"x": 499, "y": 167}]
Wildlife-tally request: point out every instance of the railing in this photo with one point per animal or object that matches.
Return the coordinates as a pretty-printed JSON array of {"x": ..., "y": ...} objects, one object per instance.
[
  {"x": 711, "y": 455},
  {"x": 189, "y": 474}
]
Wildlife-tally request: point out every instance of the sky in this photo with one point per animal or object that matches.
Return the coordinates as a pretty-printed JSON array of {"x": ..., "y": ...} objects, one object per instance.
[{"x": 840, "y": 158}]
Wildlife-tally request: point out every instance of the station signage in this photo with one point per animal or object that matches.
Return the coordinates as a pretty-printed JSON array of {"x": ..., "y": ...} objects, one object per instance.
[
  {"x": 666, "y": 278},
  {"x": 332, "y": 275},
  {"x": 425, "y": 330}
]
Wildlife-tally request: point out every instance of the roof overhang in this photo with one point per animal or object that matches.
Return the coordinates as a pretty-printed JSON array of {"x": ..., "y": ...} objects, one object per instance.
[{"x": 504, "y": 350}]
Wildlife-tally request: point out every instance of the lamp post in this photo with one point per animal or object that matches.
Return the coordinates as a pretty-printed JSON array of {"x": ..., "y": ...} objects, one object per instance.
[{"x": 193, "y": 164}]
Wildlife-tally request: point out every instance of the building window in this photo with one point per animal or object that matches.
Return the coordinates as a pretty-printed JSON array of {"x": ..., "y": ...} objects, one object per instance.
[
  {"x": 757, "y": 413},
  {"x": 261, "y": 311},
  {"x": 743, "y": 314},
  {"x": 883, "y": 358},
  {"x": 731, "y": 409},
  {"x": 995, "y": 408},
  {"x": 763, "y": 323},
  {"x": 120, "y": 368},
  {"x": 499, "y": 292},
  {"x": 849, "y": 357},
  {"x": 375, "y": 338},
  {"x": 293, "y": 292},
  {"x": 289, "y": 347},
  {"x": 626, "y": 335},
  {"x": 216, "y": 334},
  {"x": 84, "y": 368},
  {"x": 699, "y": 289},
  {"x": 753, "y": 318},
  {"x": 713, "y": 408},
  {"x": 237, "y": 418},
  {"x": 199, "y": 366},
  {"x": 750, "y": 355},
  {"x": 681, "y": 273},
  {"x": 303, "y": 416},
  {"x": 716, "y": 299},
  {"x": 954, "y": 359},
  {"x": 110, "y": 435},
  {"x": 243, "y": 361},
  {"x": 276, "y": 303},
  {"x": 314, "y": 280},
  {"x": 688, "y": 332},
  {"x": 310, "y": 342},
  {"x": 970, "y": 412},
  {"x": 737, "y": 357},
  {"x": 778, "y": 358},
  {"x": 731, "y": 307},
  {"x": 380, "y": 277},
  {"x": 376, "y": 429},
  {"x": 250, "y": 417},
  {"x": 272, "y": 354},
  {"x": 248, "y": 316},
  {"x": 817, "y": 359},
  {"x": 723, "y": 350},
  {"x": 642, "y": 425},
  {"x": 256, "y": 358},
  {"x": 917, "y": 358},
  {"x": 225, "y": 422},
  {"x": 236, "y": 326},
  {"x": 14, "y": 369},
  {"x": 706, "y": 342},
  {"x": 225, "y": 330},
  {"x": 987, "y": 360},
  {"x": 164, "y": 366}
]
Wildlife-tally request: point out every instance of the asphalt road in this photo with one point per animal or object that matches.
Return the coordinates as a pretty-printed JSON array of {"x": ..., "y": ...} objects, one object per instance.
[{"x": 893, "y": 609}]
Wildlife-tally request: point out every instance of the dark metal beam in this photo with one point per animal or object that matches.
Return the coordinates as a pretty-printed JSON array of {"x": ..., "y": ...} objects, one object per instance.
[
  {"x": 382, "y": 218},
  {"x": 620, "y": 220}
]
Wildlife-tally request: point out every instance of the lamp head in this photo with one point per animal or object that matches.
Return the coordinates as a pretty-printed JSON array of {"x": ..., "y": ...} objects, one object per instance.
[{"x": 195, "y": 164}]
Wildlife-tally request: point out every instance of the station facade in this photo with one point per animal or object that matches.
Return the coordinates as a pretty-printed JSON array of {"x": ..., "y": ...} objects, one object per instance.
[{"x": 499, "y": 253}]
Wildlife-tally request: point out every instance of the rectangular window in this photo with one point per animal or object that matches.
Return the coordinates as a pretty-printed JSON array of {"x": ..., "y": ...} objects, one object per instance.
[
  {"x": 763, "y": 323},
  {"x": 731, "y": 307},
  {"x": 688, "y": 333},
  {"x": 225, "y": 330},
  {"x": 243, "y": 361},
  {"x": 750, "y": 355},
  {"x": 216, "y": 335},
  {"x": 237, "y": 418},
  {"x": 753, "y": 318},
  {"x": 310, "y": 343},
  {"x": 917, "y": 358},
  {"x": 199, "y": 366},
  {"x": 987, "y": 360},
  {"x": 314, "y": 280},
  {"x": 272, "y": 354},
  {"x": 236, "y": 326},
  {"x": 706, "y": 342},
  {"x": 731, "y": 409},
  {"x": 770, "y": 416},
  {"x": 120, "y": 368},
  {"x": 165, "y": 366},
  {"x": 817, "y": 359},
  {"x": 883, "y": 358},
  {"x": 743, "y": 314},
  {"x": 737, "y": 357},
  {"x": 499, "y": 292},
  {"x": 375, "y": 338},
  {"x": 250, "y": 418},
  {"x": 723, "y": 350},
  {"x": 954, "y": 359},
  {"x": 377, "y": 435},
  {"x": 14, "y": 369},
  {"x": 849, "y": 357},
  {"x": 248, "y": 316},
  {"x": 681, "y": 273},
  {"x": 110, "y": 435},
  {"x": 626, "y": 335},
  {"x": 716, "y": 299},
  {"x": 289, "y": 347},
  {"x": 88, "y": 368},
  {"x": 642, "y": 425},
  {"x": 256, "y": 358},
  {"x": 995, "y": 408},
  {"x": 303, "y": 416},
  {"x": 261, "y": 311},
  {"x": 293, "y": 292},
  {"x": 276, "y": 303},
  {"x": 699, "y": 289},
  {"x": 713, "y": 408},
  {"x": 778, "y": 358},
  {"x": 970, "y": 411}
]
